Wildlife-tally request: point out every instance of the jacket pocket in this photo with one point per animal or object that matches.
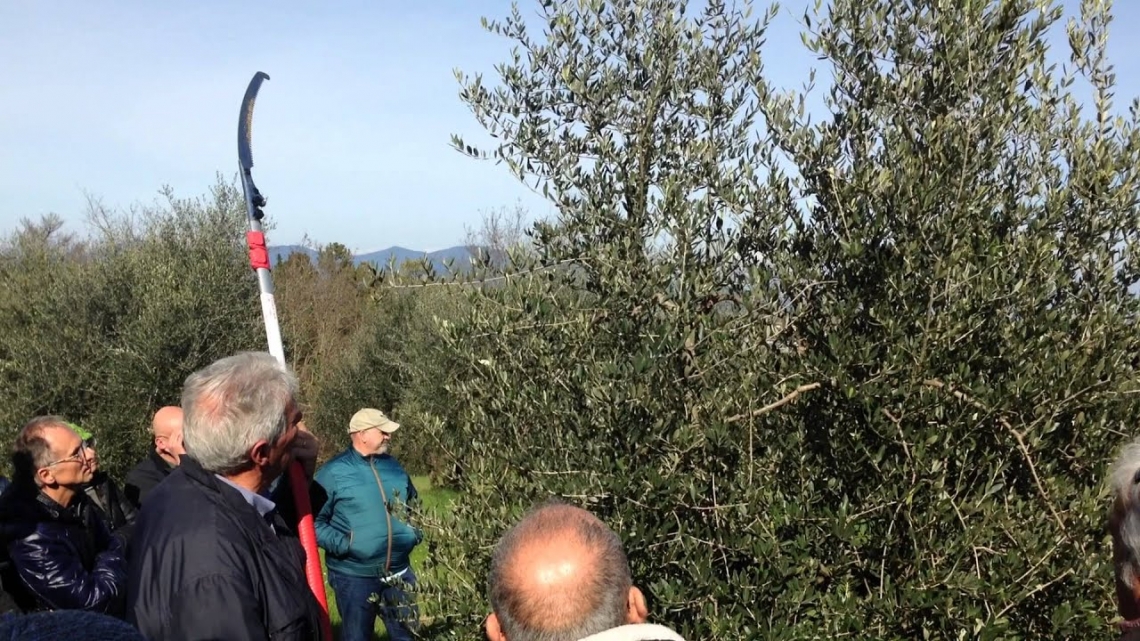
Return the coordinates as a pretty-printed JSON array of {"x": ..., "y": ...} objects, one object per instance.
[
  {"x": 296, "y": 630},
  {"x": 371, "y": 545}
]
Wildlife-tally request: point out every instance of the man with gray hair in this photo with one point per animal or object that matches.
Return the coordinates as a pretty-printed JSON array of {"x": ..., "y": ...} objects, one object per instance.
[
  {"x": 214, "y": 554},
  {"x": 1124, "y": 525},
  {"x": 62, "y": 555},
  {"x": 561, "y": 575}
]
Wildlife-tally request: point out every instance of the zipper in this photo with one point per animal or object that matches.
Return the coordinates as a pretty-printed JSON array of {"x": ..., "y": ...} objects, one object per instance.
[{"x": 387, "y": 514}]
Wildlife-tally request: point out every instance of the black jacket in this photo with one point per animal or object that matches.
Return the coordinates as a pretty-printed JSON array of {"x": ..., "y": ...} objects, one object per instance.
[
  {"x": 8, "y": 576},
  {"x": 109, "y": 501},
  {"x": 60, "y": 558},
  {"x": 144, "y": 477},
  {"x": 205, "y": 565}
]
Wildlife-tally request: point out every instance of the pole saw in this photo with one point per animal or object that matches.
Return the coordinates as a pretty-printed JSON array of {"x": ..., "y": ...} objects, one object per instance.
[{"x": 259, "y": 261}]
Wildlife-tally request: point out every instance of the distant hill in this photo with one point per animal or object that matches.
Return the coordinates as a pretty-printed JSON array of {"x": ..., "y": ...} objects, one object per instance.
[
  {"x": 282, "y": 252},
  {"x": 458, "y": 254}
]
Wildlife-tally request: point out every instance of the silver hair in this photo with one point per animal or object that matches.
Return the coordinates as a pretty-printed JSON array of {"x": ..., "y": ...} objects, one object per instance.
[
  {"x": 1125, "y": 516},
  {"x": 231, "y": 405},
  {"x": 32, "y": 451},
  {"x": 599, "y": 604}
]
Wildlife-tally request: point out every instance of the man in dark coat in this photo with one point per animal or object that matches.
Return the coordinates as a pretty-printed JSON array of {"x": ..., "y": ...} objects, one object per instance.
[
  {"x": 214, "y": 554},
  {"x": 166, "y": 426},
  {"x": 7, "y": 576},
  {"x": 61, "y": 554},
  {"x": 106, "y": 499}
]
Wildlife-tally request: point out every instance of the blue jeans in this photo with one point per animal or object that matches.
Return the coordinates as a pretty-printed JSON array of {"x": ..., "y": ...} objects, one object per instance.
[{"x": 396, "y": 608}]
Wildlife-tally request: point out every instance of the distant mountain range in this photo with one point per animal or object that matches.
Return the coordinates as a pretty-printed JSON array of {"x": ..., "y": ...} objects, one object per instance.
[{"x": 458, "y": 254}]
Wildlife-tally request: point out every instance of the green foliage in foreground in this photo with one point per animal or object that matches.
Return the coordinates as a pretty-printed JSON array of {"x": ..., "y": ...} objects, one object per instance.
[
  {"x": 855, "y": 377},
  {"x": 850, "y": 377},
  {"x": 103, "y": 330}
]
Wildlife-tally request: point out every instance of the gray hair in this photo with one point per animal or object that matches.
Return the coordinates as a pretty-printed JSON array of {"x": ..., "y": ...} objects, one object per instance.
[
  {"x": 1124, "y": 519},
  {"x": 599, "y": 604},
  {"x": 231, "y": 405},
  {"x": 31, "y": 450}
]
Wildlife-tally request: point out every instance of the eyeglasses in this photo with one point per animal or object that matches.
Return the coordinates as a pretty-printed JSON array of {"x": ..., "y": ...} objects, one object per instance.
[{"x": 78, "y": 457}]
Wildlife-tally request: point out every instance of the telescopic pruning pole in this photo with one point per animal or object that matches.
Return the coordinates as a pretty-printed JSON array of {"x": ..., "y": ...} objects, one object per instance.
[{"x": 259, "y": 261}]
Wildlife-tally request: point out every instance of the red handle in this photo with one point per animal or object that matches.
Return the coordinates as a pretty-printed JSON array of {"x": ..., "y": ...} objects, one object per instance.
[{"x": 308, "y": 535}]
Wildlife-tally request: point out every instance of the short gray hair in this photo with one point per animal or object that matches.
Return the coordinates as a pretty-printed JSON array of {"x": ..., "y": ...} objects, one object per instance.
[
  {"x": 1124, "y": 518},
  {"x": 598, "y": 605},
  {"x": 31, "y": 451},
  {"x": 231, "y": 405}
]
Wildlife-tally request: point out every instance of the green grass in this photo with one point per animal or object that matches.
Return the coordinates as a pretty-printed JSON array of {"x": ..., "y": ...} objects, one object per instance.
[{"x": 434, "y": 499}]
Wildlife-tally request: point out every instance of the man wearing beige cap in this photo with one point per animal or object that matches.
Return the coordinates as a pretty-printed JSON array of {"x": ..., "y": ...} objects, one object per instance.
[{"x": 367, "y": 547}]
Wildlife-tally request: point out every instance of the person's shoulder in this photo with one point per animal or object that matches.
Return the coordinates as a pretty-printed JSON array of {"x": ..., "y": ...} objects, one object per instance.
[
  {"x": 391, "y": 464},
  {"x": 636, "y": 632},
  {"x": 339, "y": 464},
  {"x": 178, "y": 500},
  {"x": 177, "y": 482},
  {"x": 177, "y": 514},
  {"x": 143, "y": 469}
]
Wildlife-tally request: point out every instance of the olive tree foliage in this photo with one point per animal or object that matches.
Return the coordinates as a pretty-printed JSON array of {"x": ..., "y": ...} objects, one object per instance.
[
  {"x": 322, "y": 305},
  {"x": 394, "y": 361},
  {"x": 857, "y": 375},
  {"x": 501, "y": 231},
  {"x": 357, "y": 340},
  {"x": 103, "y": 327}
]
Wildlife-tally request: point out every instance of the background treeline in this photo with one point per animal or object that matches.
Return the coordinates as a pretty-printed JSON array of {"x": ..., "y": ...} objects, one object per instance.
[
  {"x": 103, "y": 327},
  {"x": 852, "y": 376}
]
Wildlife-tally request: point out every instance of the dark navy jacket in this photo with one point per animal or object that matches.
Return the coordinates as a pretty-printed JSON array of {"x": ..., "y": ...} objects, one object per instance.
[
  {"x": 61, "y": 558},
  {"x": 205, "y": 564}
]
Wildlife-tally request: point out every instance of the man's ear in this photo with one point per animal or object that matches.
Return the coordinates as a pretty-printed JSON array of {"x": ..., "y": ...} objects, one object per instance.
[
  {"x": 45, "y": 476},
  {"x": 636, "y": 610},
  {"x": 494, "y": 632},
  {"x": 259, "y": 453}
]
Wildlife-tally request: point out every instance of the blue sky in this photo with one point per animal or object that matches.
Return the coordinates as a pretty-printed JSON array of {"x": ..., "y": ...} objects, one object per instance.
[{"x": 351, "y": 134}]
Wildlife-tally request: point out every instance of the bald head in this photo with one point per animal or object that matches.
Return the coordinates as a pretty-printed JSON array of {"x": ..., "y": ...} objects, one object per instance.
[
  {"x": 167, "y": 419},
  {"x": 167, "y": 428},
  {"x": 560, "y": 573}
]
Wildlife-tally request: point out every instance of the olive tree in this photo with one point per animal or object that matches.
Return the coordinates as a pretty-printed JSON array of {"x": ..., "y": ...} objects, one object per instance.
[{"x": 852, "y": 375}]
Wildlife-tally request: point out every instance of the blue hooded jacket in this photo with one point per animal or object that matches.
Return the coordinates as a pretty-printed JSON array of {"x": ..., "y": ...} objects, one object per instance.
[{"x": 359, "y": 525}]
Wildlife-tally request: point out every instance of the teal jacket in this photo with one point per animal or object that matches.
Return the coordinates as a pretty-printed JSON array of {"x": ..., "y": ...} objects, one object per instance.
[{"x": 360, "y": 537}]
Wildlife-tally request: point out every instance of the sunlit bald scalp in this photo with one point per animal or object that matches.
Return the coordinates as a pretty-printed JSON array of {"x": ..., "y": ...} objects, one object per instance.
[
  {"x": 167, "y": 420},
  {"x": 559, "y": 574}
]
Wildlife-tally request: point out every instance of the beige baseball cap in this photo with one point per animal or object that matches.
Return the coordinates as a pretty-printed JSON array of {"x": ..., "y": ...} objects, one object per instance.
[{"x": 368, "y": 418}]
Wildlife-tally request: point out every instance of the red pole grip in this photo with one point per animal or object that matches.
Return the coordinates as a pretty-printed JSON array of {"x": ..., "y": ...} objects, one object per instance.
[
  {"x": 308, "y": 535},
  {"x": 258, "y": 252}
]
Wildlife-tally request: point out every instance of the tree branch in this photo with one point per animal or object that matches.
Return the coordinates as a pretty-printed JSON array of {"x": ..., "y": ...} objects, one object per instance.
[
  {"x": 771, "y": 406},
  {"x": 935, "y": 383}
]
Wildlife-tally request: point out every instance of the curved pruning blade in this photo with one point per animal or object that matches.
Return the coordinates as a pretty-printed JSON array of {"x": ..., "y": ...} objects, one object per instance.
[{"x": 245, "y": 121}]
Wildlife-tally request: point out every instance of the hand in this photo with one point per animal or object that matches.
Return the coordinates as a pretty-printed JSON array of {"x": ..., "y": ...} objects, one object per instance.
[{"x": 305, "y": 448}]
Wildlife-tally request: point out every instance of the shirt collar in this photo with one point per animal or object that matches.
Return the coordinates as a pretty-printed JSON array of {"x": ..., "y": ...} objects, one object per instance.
[{"x": 260, "y": 503}]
